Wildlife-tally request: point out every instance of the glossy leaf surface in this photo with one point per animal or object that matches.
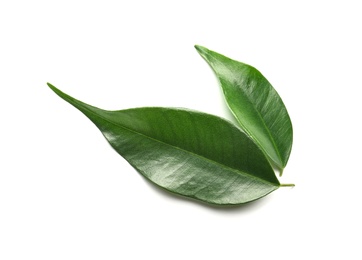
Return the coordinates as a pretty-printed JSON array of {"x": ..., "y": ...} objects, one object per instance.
[
  {"x": 255, "y": 104},
  {"x": 186, "y": 152}
]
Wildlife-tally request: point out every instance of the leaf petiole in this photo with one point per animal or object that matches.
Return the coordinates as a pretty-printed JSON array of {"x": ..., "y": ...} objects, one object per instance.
[{"x": 287, "y": 185}]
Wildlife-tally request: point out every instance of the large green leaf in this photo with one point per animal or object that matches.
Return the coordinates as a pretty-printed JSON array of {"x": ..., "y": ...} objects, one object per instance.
[
  {"x": 255, "y": 104},
  {"x": 186, "y": 152}
]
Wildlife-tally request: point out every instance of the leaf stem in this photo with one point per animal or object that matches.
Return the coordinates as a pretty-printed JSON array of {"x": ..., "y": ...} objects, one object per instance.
[
  {"x": 287, "y": 185},
  {"x": 281, "y": 172}
]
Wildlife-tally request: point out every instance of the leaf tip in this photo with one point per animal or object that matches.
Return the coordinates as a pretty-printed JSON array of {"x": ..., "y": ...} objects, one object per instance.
[
  {"x": 60, "y": 93},
  {"x": 52, "y": 87},
  {"x": 201, "y": 49}
]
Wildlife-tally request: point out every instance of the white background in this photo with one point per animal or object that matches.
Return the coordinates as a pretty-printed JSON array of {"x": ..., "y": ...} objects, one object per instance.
[{"x": 65, "y": 194}]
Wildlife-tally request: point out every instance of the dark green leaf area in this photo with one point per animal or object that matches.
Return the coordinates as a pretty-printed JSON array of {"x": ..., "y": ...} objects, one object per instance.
[
  {"x": 255, "y": 104},
  {"x": 186, "y": 152}
]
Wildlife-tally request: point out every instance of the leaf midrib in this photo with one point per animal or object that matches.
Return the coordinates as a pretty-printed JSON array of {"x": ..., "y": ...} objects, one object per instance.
[
  {"x": 257, "y": 139},
  {"x": 276, "y": 148},
  {"x": 179, "y": 148}
]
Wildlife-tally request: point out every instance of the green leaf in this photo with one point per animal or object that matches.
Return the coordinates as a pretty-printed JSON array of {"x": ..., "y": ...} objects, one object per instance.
[
  {"x": 255, "y": 104},
  {"x": 186, "y": 152}
]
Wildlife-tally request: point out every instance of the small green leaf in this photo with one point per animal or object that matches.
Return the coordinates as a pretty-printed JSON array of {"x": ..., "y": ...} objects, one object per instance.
[
  {"x": 186, "y": 152},
  {"x": 255, "y": 104}
]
